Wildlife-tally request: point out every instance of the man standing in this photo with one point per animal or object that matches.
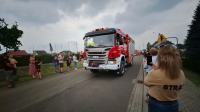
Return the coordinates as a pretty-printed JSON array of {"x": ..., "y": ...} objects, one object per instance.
[{"x": 11, "y": 70}]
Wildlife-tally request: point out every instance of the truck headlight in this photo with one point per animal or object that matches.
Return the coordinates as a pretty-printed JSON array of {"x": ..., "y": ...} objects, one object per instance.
[{"x": 112, "y": 62}]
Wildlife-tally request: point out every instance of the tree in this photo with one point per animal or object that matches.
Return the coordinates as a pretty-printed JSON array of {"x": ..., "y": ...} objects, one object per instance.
[
  {"x": 9, "y": 36},
  {"x": 180, "y": 46},
  {"x": 192, "y": 43},
  {"x": 148, "y": 46}
]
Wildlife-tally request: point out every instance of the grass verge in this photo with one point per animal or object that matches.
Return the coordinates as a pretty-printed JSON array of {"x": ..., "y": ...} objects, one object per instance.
[
  {"x": 46, "y": 70},
  {"x": 192, "y": 76}
]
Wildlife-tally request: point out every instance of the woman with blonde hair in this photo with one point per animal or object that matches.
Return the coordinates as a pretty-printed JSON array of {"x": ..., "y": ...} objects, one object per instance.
[{"x": 165, "y": 82}]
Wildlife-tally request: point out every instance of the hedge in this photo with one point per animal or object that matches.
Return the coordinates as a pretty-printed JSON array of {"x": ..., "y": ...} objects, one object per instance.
[
  {"x": 45, "y": 58},
  {"x": 24, "y": 60},
  {"x": 192, "y": 65}
]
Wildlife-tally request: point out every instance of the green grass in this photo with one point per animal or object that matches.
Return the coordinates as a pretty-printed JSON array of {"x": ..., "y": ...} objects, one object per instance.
[
  {"x": 46, "y": 70},
  {"x": 194, "y": 77}
]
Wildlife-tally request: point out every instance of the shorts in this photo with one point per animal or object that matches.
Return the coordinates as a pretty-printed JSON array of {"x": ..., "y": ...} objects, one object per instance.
[
  {"x": 68, "y": 63},
  {"x": 56, "y": 65},
  {"x": 38, "y": 69},
  {"x": 61, "y": 64},
  {"x": 162, "y": 106},
  {"x": 11, "y": 75}
]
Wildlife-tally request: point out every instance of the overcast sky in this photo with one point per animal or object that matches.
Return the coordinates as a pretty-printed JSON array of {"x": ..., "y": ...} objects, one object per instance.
[{"x": 64, "y": 22}]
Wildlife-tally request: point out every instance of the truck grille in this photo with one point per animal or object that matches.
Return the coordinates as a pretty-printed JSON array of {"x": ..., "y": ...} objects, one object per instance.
[{"x": 97, "y": 58}]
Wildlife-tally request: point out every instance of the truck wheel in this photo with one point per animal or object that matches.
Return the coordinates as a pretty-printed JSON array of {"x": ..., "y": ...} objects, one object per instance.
[
  {"x": 121, "y": 70},
  {"x": 94, "y": 70}
]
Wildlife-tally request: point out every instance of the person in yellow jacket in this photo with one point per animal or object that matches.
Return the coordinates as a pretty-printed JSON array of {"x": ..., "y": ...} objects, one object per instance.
[{"x": 90, "y": 43}]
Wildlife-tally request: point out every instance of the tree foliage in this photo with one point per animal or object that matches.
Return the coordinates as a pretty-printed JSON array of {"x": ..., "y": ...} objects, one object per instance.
[
  {"x": 180, "y": 46},
  {"x": 192, "y": 43},
  {"x": 9, "y": 36},
  {"x": 148, "y": 46}
]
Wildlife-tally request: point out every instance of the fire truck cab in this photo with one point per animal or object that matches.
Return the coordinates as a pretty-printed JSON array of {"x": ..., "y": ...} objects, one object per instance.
[{"x": 108, "y": 49}]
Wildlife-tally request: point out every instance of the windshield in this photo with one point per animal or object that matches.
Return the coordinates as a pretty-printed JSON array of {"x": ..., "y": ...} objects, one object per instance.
[{"x": 100, "y": 41}]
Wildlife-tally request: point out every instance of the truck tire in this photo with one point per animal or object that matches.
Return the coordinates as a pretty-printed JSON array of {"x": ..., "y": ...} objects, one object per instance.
[
  {"x": 94, "y": 71},
  {"x": 121, "y": 70}
]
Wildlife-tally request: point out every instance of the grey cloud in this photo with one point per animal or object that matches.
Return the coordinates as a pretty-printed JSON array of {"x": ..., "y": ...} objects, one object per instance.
[
  {"x": 27, "y": 12},
  {"x": 141, "y": 16},
  {"x": 46, "y": 11},
  {"x": 162, "y": 5},
  {"x": 93, "y": 7},
  {"x": 96, "y": 7}
]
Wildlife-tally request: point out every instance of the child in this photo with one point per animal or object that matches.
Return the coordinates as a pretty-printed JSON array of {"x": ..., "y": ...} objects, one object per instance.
[
  {"x": 56, "y": 63},
  {"x": 68, "y": 61},
  {"x": 38, "y": 68}
]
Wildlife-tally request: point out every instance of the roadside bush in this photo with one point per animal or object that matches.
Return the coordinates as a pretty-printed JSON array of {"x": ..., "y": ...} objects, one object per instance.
[
  {"x": 24, "y": 60},
  {"x": 1, "y": 61},
  {"x": 192, "y": 65},
  {"x": 47, "y": 58}
]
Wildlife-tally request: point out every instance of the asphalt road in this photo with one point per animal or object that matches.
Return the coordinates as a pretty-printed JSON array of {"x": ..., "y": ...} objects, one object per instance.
[{"x": 79, "y": 91}]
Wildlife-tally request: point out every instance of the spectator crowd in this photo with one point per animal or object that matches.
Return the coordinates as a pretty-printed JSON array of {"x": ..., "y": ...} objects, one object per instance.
[{"x": 9, "y": 65}]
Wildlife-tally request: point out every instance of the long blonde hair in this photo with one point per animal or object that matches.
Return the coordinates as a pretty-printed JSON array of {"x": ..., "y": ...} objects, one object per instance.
[{"x": 169, "y": 61}]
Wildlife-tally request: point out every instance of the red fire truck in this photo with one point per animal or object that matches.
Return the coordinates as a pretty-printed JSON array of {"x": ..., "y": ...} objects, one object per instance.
[{"x": 108, "y": 49}]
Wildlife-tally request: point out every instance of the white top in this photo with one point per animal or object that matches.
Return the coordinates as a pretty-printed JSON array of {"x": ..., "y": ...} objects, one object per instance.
[
  {"x": 75, "y": 59},
  {"x": 154, "y": 60},
  {"x": 60, "y": 58}
]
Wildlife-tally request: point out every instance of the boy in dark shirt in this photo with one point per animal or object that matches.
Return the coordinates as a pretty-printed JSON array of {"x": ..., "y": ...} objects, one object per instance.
[
  {"x": 38, "y": 68},
  {"x": 149, "y": 59},
  {"x": 68, "y": 61},
  {"x": 149, "y": 62}
]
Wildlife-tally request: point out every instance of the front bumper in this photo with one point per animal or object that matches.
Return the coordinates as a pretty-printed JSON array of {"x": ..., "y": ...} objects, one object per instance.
[{"x": 103, "y": 66}]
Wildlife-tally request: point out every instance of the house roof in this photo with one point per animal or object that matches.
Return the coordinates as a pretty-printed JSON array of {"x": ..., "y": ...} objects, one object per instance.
[
  {"x": 18, "y": 53},
  {"x": 40, "y": 52}
]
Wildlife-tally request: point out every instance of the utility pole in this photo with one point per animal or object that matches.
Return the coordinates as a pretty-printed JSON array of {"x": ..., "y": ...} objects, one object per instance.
[{"x": 76, "y": 46}]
